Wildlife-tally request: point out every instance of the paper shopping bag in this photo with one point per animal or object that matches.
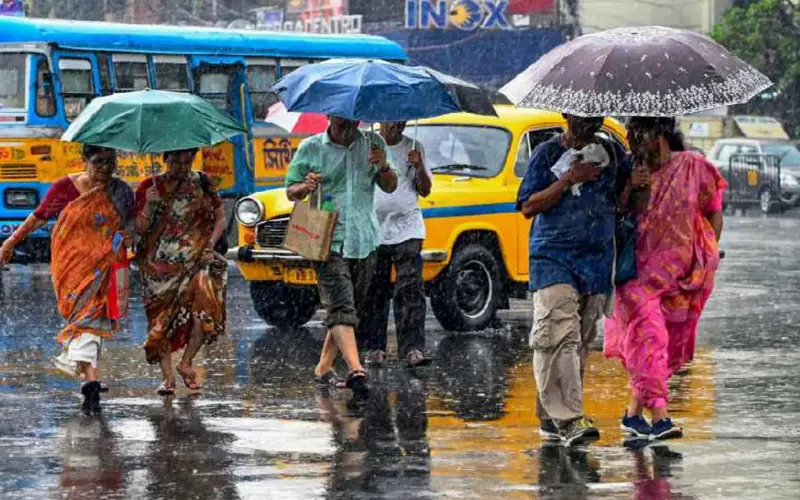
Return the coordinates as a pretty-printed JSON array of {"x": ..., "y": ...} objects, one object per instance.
[{"x": 310, "y": 232}]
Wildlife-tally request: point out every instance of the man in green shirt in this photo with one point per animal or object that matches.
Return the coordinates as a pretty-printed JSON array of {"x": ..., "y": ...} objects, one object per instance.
[{"x": 347, "y": 164}]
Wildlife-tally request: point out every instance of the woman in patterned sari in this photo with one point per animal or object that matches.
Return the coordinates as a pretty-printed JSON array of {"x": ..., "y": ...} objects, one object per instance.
[
  {"x": 654, "y": 327},
  {"x": 93, "y": 209},
  {"x": 180, "y": 219}
]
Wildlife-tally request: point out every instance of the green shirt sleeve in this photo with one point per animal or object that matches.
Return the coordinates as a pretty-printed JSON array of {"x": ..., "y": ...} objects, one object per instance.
[{"x": 301, "y": 164}]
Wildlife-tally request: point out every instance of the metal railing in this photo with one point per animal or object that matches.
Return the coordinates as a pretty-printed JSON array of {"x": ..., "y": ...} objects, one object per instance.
[{"x": 751, "y": 177}]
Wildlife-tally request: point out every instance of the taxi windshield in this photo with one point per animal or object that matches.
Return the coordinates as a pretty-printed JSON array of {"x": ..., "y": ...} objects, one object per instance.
[{"x": 463, "y": 150}]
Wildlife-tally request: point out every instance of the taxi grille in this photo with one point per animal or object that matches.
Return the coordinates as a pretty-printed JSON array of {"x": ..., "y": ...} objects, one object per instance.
[
  {"x": 271, "y": 233},
  {"x": 18, "y": 172}
]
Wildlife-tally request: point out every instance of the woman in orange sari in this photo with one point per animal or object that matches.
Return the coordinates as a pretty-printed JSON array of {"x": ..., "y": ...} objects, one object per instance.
[
  {"x": 93, "y": 209},
  {"x": 654, "y": 327},
  {"x": 180, "y": 219}
]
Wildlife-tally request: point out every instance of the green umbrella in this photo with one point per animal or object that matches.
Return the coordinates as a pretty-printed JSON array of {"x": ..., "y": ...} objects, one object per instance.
[{"x": 152, "y": 121}]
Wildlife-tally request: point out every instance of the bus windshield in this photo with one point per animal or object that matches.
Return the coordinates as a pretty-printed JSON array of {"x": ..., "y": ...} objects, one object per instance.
[{"x": 12, "y": 82}]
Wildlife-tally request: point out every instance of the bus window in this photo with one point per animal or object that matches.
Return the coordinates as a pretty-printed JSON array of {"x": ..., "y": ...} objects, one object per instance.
[
  {"x": 213, "y": 83},
  {"x": 289, "y": 65},
  {"x": 12, "y": 85},
  {"x": 130, "y": 72},
  {"x": 77, "y": 88},
  {"x": 171, "y": 73},
  {"x": 45, "y": 97},
  {"x": 261, "y": 75},
  {"x": 105, "y": 74}
]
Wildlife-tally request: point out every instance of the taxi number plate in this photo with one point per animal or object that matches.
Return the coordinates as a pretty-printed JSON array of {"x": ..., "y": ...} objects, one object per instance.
[{"x": 300, "y": 276}]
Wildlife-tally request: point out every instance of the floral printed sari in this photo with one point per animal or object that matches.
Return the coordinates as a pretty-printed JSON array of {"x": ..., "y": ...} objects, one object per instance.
[
  {"x": 86, "y": 241},
  {"x": 654, "y": 327},
  {"x": 178, "y": 288}
]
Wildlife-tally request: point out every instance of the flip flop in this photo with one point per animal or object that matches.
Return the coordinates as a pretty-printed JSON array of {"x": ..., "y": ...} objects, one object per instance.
[
  {"x": 330, "y": 379},
  {"x": 166, "y": 389},
  {"x": 189, "y": 380}
]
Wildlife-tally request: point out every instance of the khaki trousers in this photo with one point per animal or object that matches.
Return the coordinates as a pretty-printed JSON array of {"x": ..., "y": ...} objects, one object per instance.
[{"x": 564, "y": 326}]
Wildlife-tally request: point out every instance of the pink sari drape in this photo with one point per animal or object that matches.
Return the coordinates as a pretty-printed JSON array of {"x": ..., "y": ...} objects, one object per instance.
[{"x": 654, "y": 327}]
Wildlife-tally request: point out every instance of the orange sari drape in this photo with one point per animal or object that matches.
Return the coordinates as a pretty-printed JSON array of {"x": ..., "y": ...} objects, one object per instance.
[{"x": 82, "y": 254}]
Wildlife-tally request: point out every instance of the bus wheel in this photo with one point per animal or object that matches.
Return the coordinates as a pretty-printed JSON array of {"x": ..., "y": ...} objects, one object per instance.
[
  {"x": 284, "y": 306},
  {"x": 467, "y": 296}
]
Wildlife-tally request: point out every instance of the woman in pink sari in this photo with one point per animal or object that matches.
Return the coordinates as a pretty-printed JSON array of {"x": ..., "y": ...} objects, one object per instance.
[{"x": 678, "y": 225}]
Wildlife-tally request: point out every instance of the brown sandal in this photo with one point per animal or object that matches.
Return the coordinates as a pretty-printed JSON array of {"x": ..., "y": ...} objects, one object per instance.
[{"x": 189, "y": 377}]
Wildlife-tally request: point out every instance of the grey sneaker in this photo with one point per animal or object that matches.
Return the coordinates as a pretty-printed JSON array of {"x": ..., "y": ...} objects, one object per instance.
[
  {"x": 416, "y": 358},
  {"x": 548, "y": 430},
  {"x": 579, "y": 431},
  {"x": 375, "y": 357}
]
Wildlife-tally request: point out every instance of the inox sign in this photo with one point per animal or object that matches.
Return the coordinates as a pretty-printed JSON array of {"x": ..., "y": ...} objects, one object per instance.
[{"x": 466, "y": 15}]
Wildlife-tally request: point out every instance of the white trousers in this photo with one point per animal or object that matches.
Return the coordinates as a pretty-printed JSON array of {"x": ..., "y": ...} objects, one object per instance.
[{"x": 84, "y": 349}]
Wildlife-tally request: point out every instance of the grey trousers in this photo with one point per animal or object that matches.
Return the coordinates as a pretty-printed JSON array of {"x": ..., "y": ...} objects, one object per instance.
[{"x": 564, "y": 326}]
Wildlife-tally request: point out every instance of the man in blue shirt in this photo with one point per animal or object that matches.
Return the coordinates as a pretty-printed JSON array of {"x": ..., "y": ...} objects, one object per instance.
[{"x": 571, "y": 265}]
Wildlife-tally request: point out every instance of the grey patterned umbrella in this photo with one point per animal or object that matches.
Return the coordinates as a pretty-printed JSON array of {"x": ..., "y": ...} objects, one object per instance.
[{"x": 643, "y": 71}]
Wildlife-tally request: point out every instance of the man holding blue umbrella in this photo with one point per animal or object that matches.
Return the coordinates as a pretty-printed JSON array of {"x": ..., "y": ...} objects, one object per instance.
[{"x": 346, "y": 164}]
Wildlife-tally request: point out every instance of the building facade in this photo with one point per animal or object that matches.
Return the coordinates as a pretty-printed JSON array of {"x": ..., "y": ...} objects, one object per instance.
[{"x": 695, "y": 15}]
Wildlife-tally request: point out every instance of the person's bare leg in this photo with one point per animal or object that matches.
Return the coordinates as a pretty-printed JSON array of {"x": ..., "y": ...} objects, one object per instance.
[
  {"x": 634, "y": 408},
  {"x": 166, "y": 368},
  {"x": 89, "y": 372},
  {"x": 196, "y": 339},
  {"x": 327, "y": 357},
  {"x": 345, "y": 337},
  {"x": 660, "y": 414}
]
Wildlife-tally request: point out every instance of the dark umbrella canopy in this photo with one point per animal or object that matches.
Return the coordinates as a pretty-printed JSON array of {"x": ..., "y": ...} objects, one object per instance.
[{"x": 645, "y": 71}]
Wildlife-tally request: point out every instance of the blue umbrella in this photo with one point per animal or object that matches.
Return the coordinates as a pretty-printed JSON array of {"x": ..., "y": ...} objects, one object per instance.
[{"x": 378, "y": 91}]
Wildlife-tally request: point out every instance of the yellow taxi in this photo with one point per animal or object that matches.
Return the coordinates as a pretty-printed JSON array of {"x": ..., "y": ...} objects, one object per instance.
[{"x": 476, "y": 252}]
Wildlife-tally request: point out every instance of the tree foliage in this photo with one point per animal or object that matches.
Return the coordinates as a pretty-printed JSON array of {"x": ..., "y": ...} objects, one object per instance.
[{"x": 766, "y": 33}]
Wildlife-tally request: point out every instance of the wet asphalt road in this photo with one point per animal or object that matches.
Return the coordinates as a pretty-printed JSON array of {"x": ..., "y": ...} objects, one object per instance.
[{"x": 463, "y": 428}]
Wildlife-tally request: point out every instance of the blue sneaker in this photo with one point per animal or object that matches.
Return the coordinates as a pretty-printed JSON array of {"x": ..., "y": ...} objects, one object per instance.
[
  {"x": 637, "y": 426},
  {"x": 665, "y": 429}
]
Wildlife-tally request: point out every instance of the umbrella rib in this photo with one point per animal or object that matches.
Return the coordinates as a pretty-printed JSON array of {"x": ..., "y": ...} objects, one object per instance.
[{"x": 361, "y": 81}]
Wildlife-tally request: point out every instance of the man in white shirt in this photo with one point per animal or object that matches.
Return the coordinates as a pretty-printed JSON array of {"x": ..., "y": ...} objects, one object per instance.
[{"x": 402, "y": 232}]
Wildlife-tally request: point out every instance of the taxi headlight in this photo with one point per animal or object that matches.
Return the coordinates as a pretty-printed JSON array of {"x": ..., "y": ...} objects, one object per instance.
[{"x": 249, "y": 211}]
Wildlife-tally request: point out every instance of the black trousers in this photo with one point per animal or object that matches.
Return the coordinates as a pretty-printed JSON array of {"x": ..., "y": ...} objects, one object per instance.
[{"x": 409, "y": 300}]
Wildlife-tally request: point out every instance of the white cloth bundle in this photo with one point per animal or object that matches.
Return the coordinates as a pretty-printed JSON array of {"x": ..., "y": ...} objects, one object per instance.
[{"x": 593, "y": 153}]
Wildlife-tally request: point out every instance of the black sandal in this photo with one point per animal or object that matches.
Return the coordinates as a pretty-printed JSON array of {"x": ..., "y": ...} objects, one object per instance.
[
  {"x": 330, "y": 379},
  {"x": 357, "y": 382}
]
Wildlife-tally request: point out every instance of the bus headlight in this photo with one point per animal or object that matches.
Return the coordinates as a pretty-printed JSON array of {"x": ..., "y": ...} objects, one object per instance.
[
  {"x": 249, "y": 211},
  {"x": 21, "y": 198}
]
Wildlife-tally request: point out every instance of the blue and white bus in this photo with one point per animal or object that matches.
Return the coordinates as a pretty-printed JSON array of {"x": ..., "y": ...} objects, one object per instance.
[{"x": 50, "y": 70}]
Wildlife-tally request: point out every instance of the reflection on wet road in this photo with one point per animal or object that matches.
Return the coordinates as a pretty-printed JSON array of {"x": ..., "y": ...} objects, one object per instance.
[{"x": 462, "y": 428}]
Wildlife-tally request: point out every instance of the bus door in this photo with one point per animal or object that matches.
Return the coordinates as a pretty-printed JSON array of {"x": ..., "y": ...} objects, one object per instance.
[{"x": 223, "y": 82}]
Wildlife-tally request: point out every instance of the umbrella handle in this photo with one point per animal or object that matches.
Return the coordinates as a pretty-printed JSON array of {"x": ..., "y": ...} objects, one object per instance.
[
  {"x": 416, "y": 129},
  {"x": 371, "y": 131}
]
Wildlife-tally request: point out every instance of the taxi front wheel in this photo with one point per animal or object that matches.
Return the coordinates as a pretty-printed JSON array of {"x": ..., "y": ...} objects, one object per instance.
[
  {"x": 282, "y": 305},
  {"x": 467, "y": 296}
]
